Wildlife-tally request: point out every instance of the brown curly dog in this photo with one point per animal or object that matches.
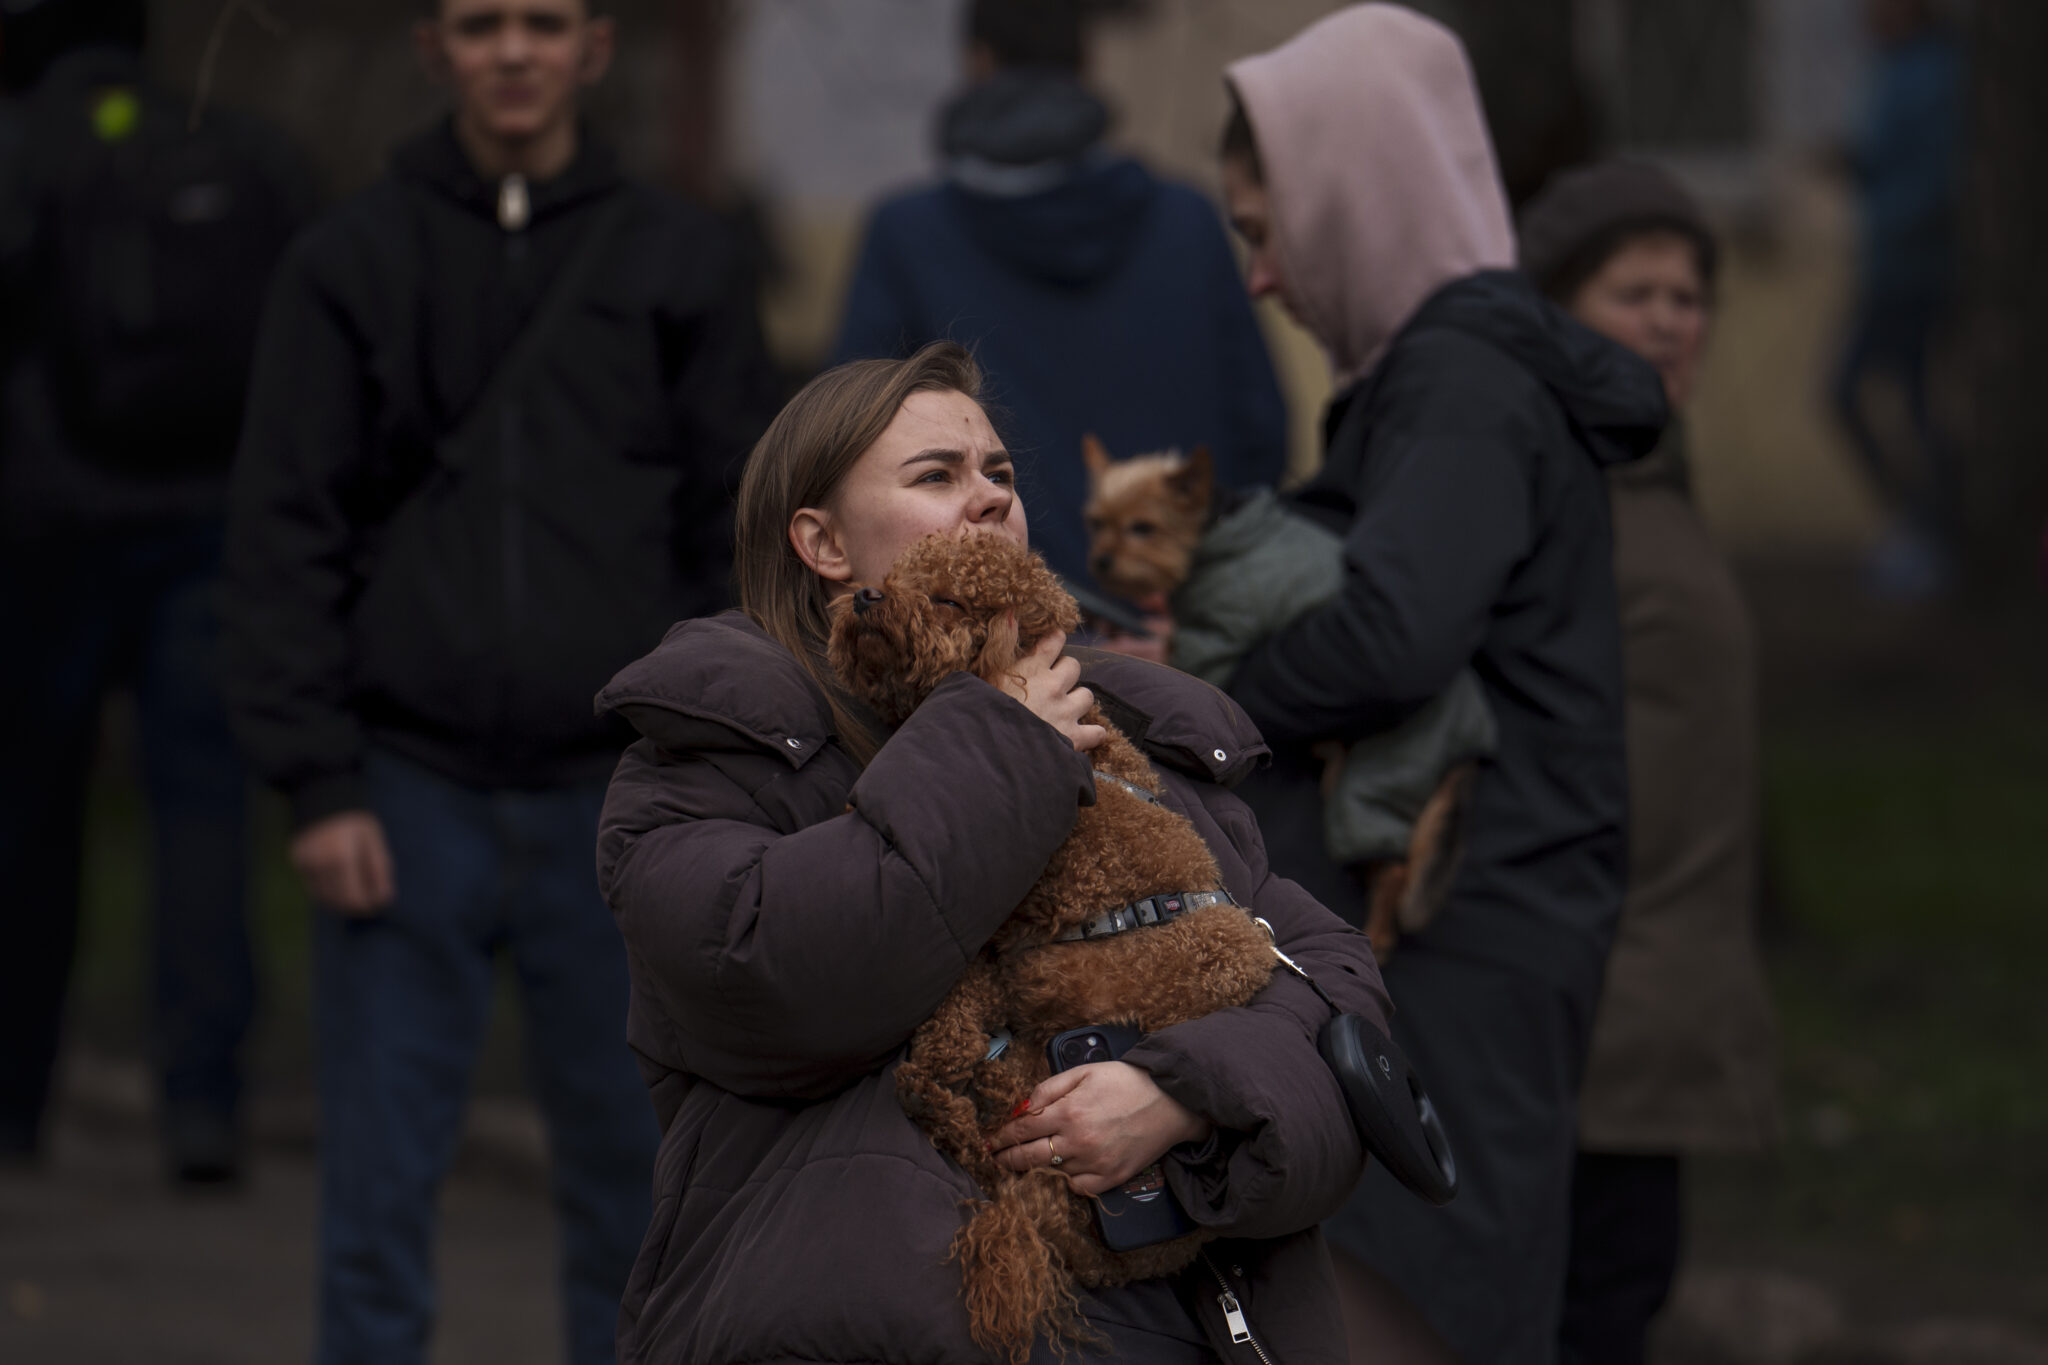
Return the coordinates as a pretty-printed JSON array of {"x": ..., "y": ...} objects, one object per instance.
[{"x": 979, "y": 603}]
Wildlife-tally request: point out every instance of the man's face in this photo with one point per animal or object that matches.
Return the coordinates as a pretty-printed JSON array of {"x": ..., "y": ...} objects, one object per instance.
[
  {"x": 517, "y": 66},
  {"x": 1250, "y": 209}
]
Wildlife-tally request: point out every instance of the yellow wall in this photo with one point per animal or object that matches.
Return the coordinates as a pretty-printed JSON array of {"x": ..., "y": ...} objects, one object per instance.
[{"x": 1773, "y": 474}]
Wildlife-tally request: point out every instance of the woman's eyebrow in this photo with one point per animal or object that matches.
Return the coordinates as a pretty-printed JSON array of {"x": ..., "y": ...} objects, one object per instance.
[{"x": 940, "y": 455}]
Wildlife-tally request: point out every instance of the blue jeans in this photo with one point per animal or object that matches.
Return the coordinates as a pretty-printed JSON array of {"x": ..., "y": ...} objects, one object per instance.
[
  {"x": 77, "y": 616},
  {"x": 402, "y": 1001}
]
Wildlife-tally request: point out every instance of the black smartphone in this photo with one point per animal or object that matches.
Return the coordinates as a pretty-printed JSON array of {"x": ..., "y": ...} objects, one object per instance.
[{"x": 1142, "y": 1211}]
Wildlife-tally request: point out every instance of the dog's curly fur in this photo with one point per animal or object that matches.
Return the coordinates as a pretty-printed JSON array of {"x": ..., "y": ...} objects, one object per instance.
[{"x": 979, "y": 604}]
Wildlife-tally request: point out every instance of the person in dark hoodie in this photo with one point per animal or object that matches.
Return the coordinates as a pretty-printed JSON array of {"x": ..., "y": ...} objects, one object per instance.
[
  {"x": 121, "y": 390},
  {"x": 496, "y": 421},
  {"x": 1097, "y": 297},
  {"x": 1466, "y": 446}
]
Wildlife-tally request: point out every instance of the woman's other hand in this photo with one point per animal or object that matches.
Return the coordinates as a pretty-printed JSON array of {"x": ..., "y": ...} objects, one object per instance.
[
  {"x": 1050, "y": 687},
  {"x": 1153, "y": 647},
  {"x": 1106, "y": 1122}
]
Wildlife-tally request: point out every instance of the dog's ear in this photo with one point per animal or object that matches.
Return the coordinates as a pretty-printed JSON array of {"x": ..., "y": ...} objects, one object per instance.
[
  {"x": 1095, "y": 457},
  {"x": 1195, "y": 481},
  {"x": 999, "y": 653},
  {"x": 1043, "y": 607}
]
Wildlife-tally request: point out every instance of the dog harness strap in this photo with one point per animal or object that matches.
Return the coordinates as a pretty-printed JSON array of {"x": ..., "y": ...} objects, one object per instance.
[
  {"x": 1158, "y": 909},
  {"x": 1131, "y": 787}
]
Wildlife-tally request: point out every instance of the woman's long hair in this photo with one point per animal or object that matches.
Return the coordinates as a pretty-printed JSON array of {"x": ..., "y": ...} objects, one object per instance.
[{"x": 800, "y": 462}]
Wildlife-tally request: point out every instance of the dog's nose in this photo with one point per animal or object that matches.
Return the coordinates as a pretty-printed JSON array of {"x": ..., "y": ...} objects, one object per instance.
[{"x": 865, "y": 598}]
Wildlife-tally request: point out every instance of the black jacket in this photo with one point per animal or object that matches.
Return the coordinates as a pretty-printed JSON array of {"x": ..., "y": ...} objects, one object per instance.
[
  {"x": 460, "y": 602},
  {"x": 1465, "y": 472}
]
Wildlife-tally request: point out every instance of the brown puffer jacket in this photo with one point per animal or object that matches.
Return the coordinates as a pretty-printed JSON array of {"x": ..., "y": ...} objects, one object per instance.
[{"x": 783, "y": 947}]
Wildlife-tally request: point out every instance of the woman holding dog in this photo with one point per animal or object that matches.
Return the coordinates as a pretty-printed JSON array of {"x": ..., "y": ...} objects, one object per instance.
[
  {"x": 1467, "y": 444},
  {"x": 799, "y": 887}
]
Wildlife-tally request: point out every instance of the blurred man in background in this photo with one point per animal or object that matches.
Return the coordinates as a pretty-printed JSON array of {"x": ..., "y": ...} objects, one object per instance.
[
  {"x": 501, "y": 405},
  {"x": 1097, "y": 297},
  {"x": 132, "y": 261},
  {"x": 1905, "y": 160}
]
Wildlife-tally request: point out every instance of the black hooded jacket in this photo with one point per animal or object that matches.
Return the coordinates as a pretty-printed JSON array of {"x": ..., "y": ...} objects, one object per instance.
[
  {"x": 1465, "y": 471},
  {"x": 461, "y": 603}
]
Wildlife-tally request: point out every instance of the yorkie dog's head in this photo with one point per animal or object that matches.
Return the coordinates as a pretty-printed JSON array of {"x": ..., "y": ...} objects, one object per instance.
[
  {"x": 975, "y": 603},
  {"x": 1145, "y": 516}
]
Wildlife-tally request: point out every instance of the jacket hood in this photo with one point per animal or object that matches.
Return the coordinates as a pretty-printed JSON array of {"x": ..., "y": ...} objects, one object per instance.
[
  {"x": 1027, "y": 172},
  {"x": 1022, "y": 119},
  {"x": 1611, "y": 394},
  {"x": 1669, "y": 466},
  {"x": 436, "y": 160},
  {"x": 1379, "y": 172},
  {"x": 718, "y": 681}
]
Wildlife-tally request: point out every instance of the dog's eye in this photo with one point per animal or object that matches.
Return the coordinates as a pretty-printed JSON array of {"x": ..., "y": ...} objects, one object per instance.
[
  {"x": 947, "y": 602},
  {"x": 1142, "y": 528}
]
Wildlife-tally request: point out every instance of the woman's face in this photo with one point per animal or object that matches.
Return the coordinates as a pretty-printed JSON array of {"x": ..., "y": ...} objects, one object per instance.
[
  {"x": 1650, "y": 298},
  {"x": 938, "y": 467},
  {"x": 1251, "y": 213}
]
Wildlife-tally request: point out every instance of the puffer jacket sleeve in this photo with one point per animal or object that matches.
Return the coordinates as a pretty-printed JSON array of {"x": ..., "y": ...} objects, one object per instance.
[
  {"x": 1286, "y": 1155},
  {"x": 787, "y": 964}
]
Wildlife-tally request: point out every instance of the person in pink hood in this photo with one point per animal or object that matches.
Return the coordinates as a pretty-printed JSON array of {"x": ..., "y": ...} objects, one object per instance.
[{"x": 1466, "y": 446}]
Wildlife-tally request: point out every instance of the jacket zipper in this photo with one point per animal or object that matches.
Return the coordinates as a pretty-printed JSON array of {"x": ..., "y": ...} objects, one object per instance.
[
  {"x": 1233, "y": 1314},
  {"x": 514, "y": 212}
]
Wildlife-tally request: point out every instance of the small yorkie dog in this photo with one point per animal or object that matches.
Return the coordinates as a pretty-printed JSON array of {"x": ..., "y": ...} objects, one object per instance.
[{"x": 1145, "y": 516}]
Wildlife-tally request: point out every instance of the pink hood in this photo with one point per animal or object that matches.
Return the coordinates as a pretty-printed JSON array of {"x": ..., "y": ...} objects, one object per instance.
[{"x": 1380, "y": 176}]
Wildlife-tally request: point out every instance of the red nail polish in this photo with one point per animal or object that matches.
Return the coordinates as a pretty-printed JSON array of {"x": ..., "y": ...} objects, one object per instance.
[{"x": 1023, "y": 1108}]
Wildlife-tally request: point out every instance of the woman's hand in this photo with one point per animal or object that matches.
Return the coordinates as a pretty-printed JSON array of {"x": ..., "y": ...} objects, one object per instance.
[
  {"x": 1154, "y": 647},
  {"x": 1106, "y": 1122},
  {"x": 1049, "y": 686}
]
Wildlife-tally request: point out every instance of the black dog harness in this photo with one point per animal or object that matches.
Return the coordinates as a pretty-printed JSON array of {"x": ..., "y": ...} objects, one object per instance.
[{"x": 1167, "y": 905}]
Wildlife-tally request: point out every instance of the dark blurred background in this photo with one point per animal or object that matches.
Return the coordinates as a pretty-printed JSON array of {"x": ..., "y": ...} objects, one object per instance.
[{"x": 1906, "y": 734}]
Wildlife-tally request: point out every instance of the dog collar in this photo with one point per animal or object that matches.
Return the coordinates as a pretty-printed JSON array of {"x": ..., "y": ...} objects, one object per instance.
[{"x": 1168, "y": 905}]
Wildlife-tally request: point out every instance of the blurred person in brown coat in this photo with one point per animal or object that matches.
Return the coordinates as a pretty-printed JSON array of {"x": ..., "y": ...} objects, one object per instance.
[{"x": 1682, "y": 1056}]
